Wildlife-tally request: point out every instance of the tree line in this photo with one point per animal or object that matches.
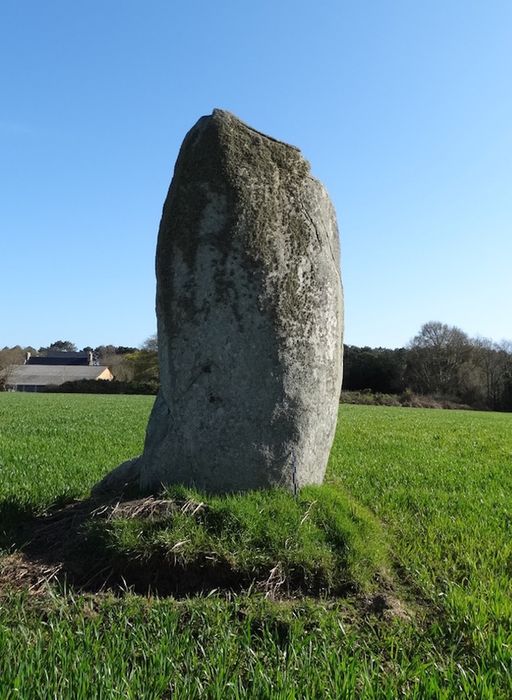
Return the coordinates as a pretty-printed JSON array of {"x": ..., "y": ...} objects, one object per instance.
[{"x": 441, "y": 361}]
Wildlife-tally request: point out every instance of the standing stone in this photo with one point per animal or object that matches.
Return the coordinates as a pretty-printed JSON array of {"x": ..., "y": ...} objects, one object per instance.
[{"x": 250, "y": 318}]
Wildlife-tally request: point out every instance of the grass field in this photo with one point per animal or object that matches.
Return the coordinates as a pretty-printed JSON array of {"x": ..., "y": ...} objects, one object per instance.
[{"x": 437, "y": 483}]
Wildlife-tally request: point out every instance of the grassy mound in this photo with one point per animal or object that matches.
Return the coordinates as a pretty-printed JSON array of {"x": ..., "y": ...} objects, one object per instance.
[{"x": 319, "y": 543}]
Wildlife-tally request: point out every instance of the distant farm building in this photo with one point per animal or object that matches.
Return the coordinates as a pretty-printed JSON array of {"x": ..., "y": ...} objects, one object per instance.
[{"x": 54, "y": 369}]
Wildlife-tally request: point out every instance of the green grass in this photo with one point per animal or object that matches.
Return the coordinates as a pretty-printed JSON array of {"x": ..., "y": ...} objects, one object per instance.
[
  {"x": 320, "y": 542},
  {"x": 54, "y": 448},
  {"x": 440, "y": 484}
]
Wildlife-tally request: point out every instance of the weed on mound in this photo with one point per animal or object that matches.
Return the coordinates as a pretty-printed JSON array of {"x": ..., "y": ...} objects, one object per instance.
[{"x": 182, "y": 543}]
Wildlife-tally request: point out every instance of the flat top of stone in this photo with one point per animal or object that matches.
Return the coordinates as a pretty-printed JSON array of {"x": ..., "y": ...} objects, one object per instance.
[{"x": 229, "y": 117}]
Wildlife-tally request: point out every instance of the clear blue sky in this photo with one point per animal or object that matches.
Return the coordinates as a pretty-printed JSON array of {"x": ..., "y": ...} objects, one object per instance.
[{"x": 404, "y": 110}]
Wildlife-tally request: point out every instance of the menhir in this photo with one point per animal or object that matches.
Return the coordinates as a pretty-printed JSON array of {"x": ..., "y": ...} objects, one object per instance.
[{"x": 250, "y": 319}]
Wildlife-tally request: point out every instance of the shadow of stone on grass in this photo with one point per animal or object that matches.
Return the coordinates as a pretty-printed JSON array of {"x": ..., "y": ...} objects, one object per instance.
[
  {"x": 58, "y": 547},
  {"x": 55, "y": 548}
]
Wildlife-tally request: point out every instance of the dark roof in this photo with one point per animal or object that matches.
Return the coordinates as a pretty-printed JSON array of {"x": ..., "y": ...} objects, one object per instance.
[
  {"x": 60, "y": 358},
  {"x": 58, "y": 361},
  {"x": 66, "y": 353}
]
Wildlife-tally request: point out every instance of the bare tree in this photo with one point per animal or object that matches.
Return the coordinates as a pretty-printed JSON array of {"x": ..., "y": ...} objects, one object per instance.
[
  {"x": 151, "y": 343},
  {"x": 437, "y": 355}
]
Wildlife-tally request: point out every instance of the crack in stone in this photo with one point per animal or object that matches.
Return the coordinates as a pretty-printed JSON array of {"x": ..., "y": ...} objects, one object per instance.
[{"x": 315, "y": 228}]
